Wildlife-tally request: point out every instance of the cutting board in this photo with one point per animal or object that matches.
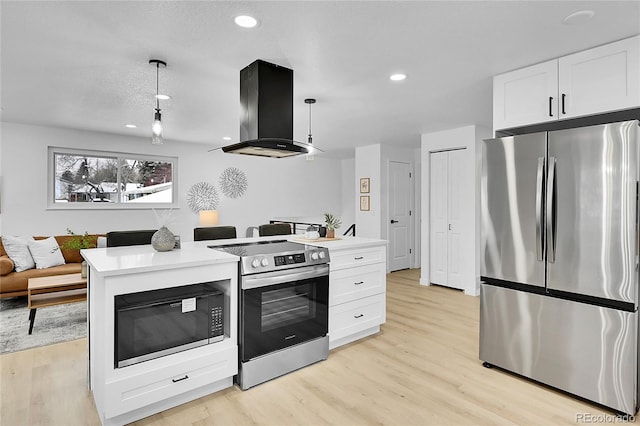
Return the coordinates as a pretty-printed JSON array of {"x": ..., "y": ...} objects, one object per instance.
[{"x": 315, "y": 240}]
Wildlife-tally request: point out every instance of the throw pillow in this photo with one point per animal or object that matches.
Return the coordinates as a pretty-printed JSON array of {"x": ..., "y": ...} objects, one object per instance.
[
  {"x": 46, "y": 253},
  {"x": 17, "y": 249}
]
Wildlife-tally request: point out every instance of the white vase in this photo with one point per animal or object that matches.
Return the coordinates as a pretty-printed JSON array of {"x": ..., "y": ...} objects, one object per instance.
[{"x": 163, "y": 239}]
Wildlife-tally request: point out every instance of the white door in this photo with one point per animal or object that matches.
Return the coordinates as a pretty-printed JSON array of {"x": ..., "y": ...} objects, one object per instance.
[
  {"x": 399, "y": 216},
  {"x": 438, "y": 214},
  {"x": 447, "y": 233}
]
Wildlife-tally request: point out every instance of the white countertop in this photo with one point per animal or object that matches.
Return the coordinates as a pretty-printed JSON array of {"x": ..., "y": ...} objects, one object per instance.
[{"x": 132, "y": 259}]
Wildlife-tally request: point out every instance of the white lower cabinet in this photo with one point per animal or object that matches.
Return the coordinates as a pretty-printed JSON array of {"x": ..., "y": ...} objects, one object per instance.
[
  {"x": 351, "y": 319},
  {"x": 168, "y": 381},
  {"x": 126, "y": 394},
  {"x": 357, "y": 293}
]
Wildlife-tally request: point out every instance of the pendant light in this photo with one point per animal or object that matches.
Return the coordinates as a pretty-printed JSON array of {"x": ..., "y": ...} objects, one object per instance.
[
  {"x": 310, "y": 101},
  {"x": 156, "y": 127}
]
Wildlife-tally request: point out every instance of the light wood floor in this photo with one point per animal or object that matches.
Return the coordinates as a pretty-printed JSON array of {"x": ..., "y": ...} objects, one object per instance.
[{"x": 422, "y": 369}]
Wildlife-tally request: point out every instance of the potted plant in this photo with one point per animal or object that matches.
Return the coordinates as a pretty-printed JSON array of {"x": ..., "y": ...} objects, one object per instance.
[
  {"x": 79, "y": 242},
  {"x": 332, "y": 223}
]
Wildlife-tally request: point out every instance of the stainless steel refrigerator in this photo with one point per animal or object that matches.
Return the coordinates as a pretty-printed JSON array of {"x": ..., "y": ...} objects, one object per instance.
[{"x": 559, "y": 293}]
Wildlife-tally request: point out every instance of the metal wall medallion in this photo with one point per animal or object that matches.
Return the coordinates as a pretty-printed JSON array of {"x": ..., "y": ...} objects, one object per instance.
[
  {"x": 202, "y": 196},
  {"x": 233, "y": 182}
]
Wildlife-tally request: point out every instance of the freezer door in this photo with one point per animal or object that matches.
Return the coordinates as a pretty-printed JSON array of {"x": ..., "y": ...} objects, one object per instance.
[
  {"x": 591, "y": 233},
  {"x": 512, "y": 206},
  {"x": 587, "y": 350}
]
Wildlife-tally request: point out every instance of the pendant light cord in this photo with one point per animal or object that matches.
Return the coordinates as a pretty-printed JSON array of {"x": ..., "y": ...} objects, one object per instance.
[
  {"x": 310, "y": 101},
  {"x": 157, "y": 86},
  {"x": 309, "y": 140}
]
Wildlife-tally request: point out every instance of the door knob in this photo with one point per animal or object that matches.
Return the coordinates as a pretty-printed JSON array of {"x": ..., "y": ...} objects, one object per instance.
[{"x": 394, "y": 221}]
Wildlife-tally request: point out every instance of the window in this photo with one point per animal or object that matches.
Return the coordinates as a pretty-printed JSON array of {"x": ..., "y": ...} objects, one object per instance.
[{"x": 96, "y": 179}]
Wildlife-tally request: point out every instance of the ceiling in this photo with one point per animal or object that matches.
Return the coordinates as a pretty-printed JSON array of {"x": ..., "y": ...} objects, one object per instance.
[{"x": 84, "y": 64}]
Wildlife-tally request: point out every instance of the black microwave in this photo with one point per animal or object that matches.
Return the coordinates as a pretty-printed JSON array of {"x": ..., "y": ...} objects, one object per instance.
[{"x": 156, "y": 323}]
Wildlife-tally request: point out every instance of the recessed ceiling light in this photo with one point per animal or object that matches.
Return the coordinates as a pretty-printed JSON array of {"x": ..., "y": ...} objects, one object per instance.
[
  {"x": 246, "y": 21},
  {"x": 226, "y": 138},
  {"x": 130, "y": 126},
  {"x": 397, "y": 77},
  {"x": 579, "y": 17},
  {"x": 163, "y": 97}
]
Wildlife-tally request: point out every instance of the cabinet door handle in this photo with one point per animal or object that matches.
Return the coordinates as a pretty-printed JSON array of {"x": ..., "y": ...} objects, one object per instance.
[
  {"x": 550, "y": 106},
  {"x": 180, "y": 379},
  {"x": 358, "y": 316},
  {"x": 563, "y": 96},
  {"x": 358, "y": 283},
  {"x": 394, "y": 221},
  {"x": 358, "y": 258}
]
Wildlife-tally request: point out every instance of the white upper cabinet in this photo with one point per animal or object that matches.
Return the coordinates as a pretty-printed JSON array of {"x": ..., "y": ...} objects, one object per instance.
[
  {"x": 526, "y": 96},
  {"x": 606, "y": 78},
  {"x": 602, "y": 79}
]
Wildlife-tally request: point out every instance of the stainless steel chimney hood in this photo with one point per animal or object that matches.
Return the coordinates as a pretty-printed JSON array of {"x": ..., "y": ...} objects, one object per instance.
[{"x": 266, "y": 125}]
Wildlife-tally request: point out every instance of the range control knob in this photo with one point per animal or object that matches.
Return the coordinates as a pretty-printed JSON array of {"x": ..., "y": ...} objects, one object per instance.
[
  {"x": 314, "y": 255},
  {"x": 322, "y": 255},
  {"x": 264, "y": 261},
  {"x": 255, "y": 263}
]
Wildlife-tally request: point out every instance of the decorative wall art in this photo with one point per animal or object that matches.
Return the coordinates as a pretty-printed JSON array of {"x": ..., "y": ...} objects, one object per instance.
[
  {"x": 233, "y": 182},
  {"x": 202, "y": 196},
  {"x": 364, "y": 203},
  {"x": 364, "y": 185}
]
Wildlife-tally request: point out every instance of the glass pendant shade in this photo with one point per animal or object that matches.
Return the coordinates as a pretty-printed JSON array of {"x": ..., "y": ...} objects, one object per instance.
[{"x": 156, "y": 129}]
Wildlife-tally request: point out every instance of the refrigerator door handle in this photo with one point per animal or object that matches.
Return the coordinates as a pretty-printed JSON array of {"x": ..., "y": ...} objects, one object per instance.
[
  {"x": 539, "y": 210},
  {"x": 551, "y": 188}
]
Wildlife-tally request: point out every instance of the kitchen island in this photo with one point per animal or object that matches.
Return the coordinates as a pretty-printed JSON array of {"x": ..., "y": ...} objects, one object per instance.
[
  {"x": 126, "y": 394},
  {"x": 357, "y": 303}
]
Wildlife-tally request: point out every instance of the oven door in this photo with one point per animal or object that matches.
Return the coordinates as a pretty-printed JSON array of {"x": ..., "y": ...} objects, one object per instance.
[{"x": 283, "y": 308}]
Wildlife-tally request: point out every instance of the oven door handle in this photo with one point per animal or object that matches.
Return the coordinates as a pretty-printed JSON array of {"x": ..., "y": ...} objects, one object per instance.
[{"x": 281, "y": 277}]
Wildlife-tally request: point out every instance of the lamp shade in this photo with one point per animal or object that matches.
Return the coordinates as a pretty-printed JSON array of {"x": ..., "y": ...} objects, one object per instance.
[{"x": 208, "y": 217}]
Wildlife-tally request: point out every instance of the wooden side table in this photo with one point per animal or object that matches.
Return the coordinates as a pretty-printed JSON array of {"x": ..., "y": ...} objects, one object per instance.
[{"x": 54, "y": 290}]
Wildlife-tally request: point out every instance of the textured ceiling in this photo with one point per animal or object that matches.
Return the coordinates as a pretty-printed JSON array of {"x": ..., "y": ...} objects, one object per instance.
[{"x": 84, "y": 64}]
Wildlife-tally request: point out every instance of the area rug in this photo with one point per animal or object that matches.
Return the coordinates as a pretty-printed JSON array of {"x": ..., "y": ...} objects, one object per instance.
[{"x": 53, "y": 324}]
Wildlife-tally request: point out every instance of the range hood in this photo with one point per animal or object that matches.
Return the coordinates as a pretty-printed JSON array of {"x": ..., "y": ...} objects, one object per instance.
[{"x": 266, "y": 124}]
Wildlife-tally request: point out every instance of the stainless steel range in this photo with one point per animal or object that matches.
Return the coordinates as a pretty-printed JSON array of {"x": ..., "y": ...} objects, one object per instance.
[{"x": 284, "y": 295}]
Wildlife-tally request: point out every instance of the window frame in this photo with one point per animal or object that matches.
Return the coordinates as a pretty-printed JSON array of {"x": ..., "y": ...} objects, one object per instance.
[{"x": 51, "y": 180}]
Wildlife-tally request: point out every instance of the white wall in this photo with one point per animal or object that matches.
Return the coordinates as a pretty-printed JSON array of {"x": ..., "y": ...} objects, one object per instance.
[
  {"x": 469, "y": 137},
  {"x": 417, "y": 178},
  {"x": 276, "y": 187},
  {"x": 367, "y": 164},
  {"x": 348, "y": 215}
]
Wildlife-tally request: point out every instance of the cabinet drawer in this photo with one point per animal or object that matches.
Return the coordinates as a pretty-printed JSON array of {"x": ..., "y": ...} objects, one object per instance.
[
  {"x": 352, "y": 317},
  {"x": 346, "y": 285},
  {"x": 356, "y": 257},
  {"x": 131, "y": 393}
]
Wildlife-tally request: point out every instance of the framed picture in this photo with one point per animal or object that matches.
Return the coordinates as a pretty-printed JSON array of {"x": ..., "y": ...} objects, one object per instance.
[
  {"x": 364, "y": 185},
  {"x": 364, "y": 203}
]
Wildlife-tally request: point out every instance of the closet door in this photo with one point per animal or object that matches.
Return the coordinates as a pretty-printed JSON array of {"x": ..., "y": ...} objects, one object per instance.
[
  {"x": 447, "y": 235},
  {"x": 455, "y": 235},
  {"x": 438, "y": 213}
]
